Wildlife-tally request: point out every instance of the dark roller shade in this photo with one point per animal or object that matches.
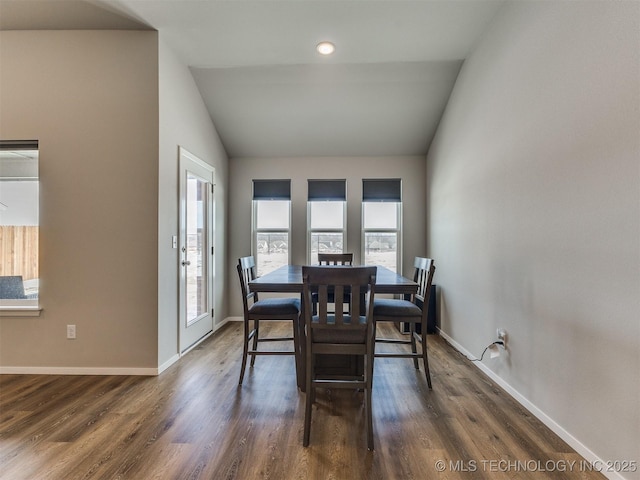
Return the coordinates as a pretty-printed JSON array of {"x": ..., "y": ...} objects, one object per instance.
[
  {"x": 272, "y": 189},
  {"x": 324, "y": 190},
  {"x": 382, "y": 190},
  {"x": 18, "y": 144}
]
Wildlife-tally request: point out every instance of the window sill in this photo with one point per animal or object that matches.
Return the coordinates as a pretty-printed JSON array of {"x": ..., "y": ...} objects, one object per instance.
[{"x": 22, "y": 311}]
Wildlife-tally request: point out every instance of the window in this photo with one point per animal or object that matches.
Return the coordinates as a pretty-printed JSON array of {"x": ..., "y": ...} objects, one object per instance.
[
  {"x": 382, "y": 223},
  {"x": 326, "y": 214},
  {"x": 19, "y": 231},
  {"x": 271, "y": 224}
]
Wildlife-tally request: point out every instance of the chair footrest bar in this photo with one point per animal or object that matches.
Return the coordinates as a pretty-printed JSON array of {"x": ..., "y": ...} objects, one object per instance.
[
  {"x": 339, "y": 384},
  {"x": 275, "y": 339},
  {"x": 255, "y": 352},
  {"x": 398, "y": 355},
  {"x": 393, "y": 340}
]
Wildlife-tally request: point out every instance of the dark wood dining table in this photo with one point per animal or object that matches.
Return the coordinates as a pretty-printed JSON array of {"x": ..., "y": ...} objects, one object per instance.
[{"x": 288, "y": 279}]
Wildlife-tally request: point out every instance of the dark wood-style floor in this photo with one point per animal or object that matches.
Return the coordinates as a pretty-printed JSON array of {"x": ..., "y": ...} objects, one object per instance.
[{"x": 193, "y": 422}]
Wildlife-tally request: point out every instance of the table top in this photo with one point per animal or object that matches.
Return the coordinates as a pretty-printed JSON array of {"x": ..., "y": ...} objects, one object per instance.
[{"x": 289, "y": 279}]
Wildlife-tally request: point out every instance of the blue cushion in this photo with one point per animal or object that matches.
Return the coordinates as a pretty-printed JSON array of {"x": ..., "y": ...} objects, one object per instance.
[
  {"x": 276, "y": 306},
  {"x": 387, "y": 307},
  {"x": 12, "y": 287}
]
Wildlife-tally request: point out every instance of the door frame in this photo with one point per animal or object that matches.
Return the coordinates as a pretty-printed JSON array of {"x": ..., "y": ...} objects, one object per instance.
[{"x": 187, "y": 339}]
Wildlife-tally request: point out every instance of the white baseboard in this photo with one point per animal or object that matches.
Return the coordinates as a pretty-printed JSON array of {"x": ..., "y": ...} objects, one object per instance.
[
  {"x": 168, "y": 363},
  {"x": 539, "y": 414},
  {"x": 78, "y": 371}
]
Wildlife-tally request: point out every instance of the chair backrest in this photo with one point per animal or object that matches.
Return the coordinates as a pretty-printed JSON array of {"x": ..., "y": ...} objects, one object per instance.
[
  {"x": 335, "y": 258},
  {"x": 12, "y": 287},
  {"x": 246, "y": 273},
  {"x": 423, "y": 276},
  {"x": 355, "y": 284}
]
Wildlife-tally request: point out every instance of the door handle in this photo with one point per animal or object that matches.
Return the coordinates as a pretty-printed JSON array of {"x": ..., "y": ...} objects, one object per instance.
[{"x": 185, "y": 263}]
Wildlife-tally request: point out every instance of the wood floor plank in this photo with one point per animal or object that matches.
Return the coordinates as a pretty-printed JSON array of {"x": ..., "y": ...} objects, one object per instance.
[{"x": 194, "y": 422}]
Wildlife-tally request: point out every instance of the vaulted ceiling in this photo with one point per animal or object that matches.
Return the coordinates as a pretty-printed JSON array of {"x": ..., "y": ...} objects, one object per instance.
[{"x": 268, "y": 91}]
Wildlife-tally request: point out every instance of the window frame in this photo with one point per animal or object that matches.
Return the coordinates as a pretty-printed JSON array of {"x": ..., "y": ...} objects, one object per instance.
[
  {"x": 311, "y": 231},
  {"x": 390, "y": 193},
  {"x": 326, "y": 190},
  {"x": 269, "y": 190}
]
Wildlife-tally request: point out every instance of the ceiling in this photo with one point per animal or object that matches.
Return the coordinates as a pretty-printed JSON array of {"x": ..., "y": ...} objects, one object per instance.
[{"x": 270, "y": 94}]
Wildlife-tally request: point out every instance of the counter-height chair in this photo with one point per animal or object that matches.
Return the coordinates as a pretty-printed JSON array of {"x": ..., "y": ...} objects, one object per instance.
[
  {"x": 412, "y": 312},
  {"x": 257, "y": 310},
  {"x": 334, "y": 259},
  {"x": 339, "y": 333}
]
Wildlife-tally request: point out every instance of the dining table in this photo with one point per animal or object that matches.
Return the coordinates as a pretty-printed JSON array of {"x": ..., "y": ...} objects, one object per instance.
[{"x": 288, "y": 279}]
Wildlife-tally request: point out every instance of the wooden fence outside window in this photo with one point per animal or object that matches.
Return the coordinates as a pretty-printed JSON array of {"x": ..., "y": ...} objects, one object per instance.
[{"x": 19, "y": 251}]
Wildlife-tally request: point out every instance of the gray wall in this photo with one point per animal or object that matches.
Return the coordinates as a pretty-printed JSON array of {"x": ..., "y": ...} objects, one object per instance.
[
  {"x": 534, "y": 213},
  {"x": 185, "y": 122},
  {"x": 91, "y": 99},
  {"x": 243, "y": 170}
]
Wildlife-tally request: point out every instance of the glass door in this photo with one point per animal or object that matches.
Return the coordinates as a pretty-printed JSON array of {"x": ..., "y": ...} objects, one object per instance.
[{"x": 196, "y": 249}]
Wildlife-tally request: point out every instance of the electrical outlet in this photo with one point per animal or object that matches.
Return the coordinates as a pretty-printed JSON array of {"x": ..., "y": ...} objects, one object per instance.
[
  {"x": 502, "y": 336},
  {"x": 71, "y": 331}
]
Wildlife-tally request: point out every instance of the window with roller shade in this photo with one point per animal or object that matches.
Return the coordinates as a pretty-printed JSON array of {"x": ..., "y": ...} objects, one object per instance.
[
  {"x": 271, "y": 222},
  {"x": 326, "y": 218},
  {"x": 382, "y": 222}
]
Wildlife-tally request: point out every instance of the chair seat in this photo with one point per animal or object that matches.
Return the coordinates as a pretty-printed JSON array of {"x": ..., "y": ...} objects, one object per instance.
[
  {"x": 342, "y": 335},
  {"x": 276, "y": 306},
  {"x": 387, "y": 307}
]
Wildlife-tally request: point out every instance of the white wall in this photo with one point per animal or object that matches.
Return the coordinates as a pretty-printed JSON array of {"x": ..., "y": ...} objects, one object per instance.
[
  {"x": 534, "y": 207},
  {"x": 244, "y": 170},
  {"x": 91, "y": 100},
  {"x": 185, "y": 122}
]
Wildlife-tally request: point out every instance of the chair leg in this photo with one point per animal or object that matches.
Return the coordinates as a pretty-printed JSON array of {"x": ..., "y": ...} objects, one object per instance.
[
  {"x": 256, "y": 326},
  {"x": 373, "y": 346},
  {"x": 296, "y": 337},
  {"x": 245, "y": 350},
  {"x": 367, "y": 405},
  {"x": 425, "y": 359},
  {"x": 308, "y": 402},
  {"x": 412, "y": 334}
]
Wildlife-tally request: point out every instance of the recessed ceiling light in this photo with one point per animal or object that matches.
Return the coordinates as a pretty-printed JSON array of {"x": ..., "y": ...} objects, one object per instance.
[{"x": 325, "y": 48}]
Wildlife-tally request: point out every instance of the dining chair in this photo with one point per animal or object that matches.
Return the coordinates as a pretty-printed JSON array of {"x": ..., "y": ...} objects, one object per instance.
[
  {"x": 257, "y": 310},
  {"x": 339, "y": 333},
  {"x": 334, "y": 259},
  {"x": 412, "y": 312}
]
